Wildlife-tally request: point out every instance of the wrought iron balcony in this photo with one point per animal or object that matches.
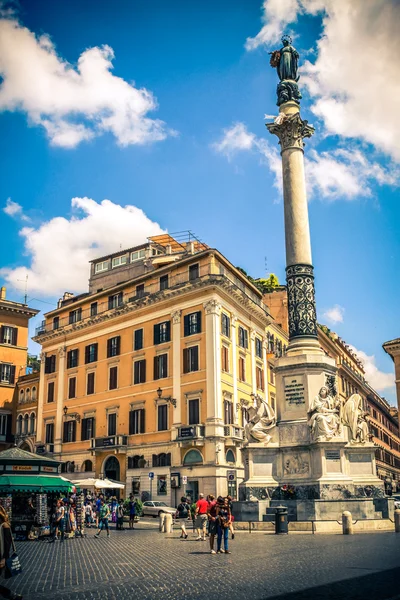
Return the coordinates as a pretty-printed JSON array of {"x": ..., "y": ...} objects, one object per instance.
[{"x": 112, "y": 441}]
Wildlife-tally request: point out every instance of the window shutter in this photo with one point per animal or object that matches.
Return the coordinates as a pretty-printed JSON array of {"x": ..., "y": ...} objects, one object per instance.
[
  {"x": 156, "y": 334},
  {"x": 131, "y": 414},
  {"x": 168, "y": 333},
  {"x": 195, "y": 359},
  {"x": 2, "y": 334},
  {"x": 156, "y": 368},
  {"x": 95, "y": 351},
  {"x": 185, "y": 360},
  {"x": 73, "y": 431},
  {"x": 118, "y": 345},
  {"x": 14, "y": 336},
  {"x": 108, "y": 348},
  {"x": 143, "y": 371},
  {"x": 65, "y": 432},
  {"x": 186, "y": 329},
  {"x": 86, "y": 355},
  {"x": 12, "y": 374},
  {"x": 199, "y": 321},
  {"x": 142, "y": 420},
  {"x": 154, "y": 460}
]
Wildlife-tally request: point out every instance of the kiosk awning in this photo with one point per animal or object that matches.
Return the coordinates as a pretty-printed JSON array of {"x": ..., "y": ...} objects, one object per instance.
[{"x": 34, "y": 483}]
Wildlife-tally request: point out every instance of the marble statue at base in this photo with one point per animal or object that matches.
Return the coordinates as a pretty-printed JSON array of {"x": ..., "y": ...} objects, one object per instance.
[
  {"x": 324, "y": 418},
  {"x": 261, "y": 420}
]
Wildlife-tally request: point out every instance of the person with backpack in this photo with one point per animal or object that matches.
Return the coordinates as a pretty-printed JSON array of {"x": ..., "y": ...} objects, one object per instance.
[
  {"x": 104, "y": 513},
  {"x": 120, "y": 515},
  {"x": 183, "y": 513},
  {"x": 223, "y": 514}
]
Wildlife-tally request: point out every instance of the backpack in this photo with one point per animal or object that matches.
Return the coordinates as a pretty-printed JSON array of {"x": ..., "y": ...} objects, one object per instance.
[{"x": 183, "y": 511}]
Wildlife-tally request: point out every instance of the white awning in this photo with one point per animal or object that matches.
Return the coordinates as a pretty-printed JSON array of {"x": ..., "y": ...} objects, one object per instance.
[{"x": 100, "y": 484}]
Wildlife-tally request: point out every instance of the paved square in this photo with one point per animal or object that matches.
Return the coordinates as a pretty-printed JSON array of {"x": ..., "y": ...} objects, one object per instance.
[{"x": 149, "y": 565}]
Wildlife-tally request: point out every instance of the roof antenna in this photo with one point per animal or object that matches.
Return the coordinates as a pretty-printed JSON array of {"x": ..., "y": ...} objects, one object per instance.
[{"x": 26, "y": 288}]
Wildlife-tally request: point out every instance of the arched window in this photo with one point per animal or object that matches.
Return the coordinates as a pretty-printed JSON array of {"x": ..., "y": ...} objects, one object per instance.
[
  {"x": 87, "y": 466},
  {"x": 19, "y": 424},
  {"x": 32, "y": 423},
  {"x": 21, "y": 396},
  {"x": 133, "y": 461},
  {"x": 33, "y": 394},
  {"x": 28, "y": 395},
  {"x": 230, "y": 457},
  {"x": 26, "y": 424},
  {"x": 193, "y": 457}
]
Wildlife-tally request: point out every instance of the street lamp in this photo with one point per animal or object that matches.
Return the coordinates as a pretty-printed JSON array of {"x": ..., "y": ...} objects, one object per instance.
[
  {"x": 168, "y": 399},
  {"x": 75, "y": 416}
]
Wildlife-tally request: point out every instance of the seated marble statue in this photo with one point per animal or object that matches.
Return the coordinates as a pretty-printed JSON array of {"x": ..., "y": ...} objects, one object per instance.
[
  {"x": 354, "y": 417},
  {"x": 261, "y": 420},
  {"x": 323, "y": 416}
]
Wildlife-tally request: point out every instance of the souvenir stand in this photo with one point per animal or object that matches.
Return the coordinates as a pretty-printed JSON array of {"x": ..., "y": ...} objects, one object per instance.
[{"x": 29, "y": 486}]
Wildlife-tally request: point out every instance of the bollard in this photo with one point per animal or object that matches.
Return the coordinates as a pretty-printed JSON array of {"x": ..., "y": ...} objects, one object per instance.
[
  {"x": 168, "y": 524},
  {"x": 347, "y": 523},
  {"x": 397, "y": 520},
  {"x": 161, "y": 526}
]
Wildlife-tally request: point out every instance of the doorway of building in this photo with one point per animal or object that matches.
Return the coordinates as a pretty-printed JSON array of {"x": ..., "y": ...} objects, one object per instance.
[
  {"x": 192, "y": 490},
  {"x": 112, "y": 468}
]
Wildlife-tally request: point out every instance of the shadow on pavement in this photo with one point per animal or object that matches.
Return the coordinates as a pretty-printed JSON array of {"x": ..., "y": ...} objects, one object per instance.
[{"x": 381, "y": 585}]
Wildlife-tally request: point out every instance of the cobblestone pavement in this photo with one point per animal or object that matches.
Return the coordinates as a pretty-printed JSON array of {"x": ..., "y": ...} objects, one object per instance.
[{"x": 149, "y": 565}]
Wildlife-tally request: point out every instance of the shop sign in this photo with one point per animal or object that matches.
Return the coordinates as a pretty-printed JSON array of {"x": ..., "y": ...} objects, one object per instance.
[
  {"x": 184, "y": 479},
  {"x": 108, "y": 441},
  {"x": 231, "y": 475},
  {"x": 50, "y": 469},
  {"x": 186, "y": 432},
  {"x": 21, "y": 468}
]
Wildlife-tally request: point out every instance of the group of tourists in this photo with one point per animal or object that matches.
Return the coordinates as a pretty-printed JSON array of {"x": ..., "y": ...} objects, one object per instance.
[{"x": 211, "y": 518}]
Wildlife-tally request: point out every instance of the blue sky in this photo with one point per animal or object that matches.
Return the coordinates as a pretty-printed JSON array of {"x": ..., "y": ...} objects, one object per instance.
[{"x": 192, "y": 151}]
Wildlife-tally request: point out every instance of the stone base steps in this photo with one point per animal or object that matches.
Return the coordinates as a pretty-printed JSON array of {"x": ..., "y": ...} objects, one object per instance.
[{"x": 316, "y": 526}]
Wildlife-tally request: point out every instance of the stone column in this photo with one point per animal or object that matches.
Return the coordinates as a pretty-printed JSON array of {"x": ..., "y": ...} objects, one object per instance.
[
  {"x": 60, "y": 400},
  {"x": 265, "y": 367},
  {"x": 39, "y": 424},
  {"x": 291, "y": 130},
  {"x": 213, "y": 365},
  {"x": 253, "y": 361},
  {"x": 176, "y": 367},
  {"x": 234, "y": 362}
]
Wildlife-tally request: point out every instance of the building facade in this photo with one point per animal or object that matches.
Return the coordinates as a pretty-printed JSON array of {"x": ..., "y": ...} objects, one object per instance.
[
  {"x": 25, "y": 402},
  {"x": 147, "y": 377},
  {"x": 14, "y": 321}
]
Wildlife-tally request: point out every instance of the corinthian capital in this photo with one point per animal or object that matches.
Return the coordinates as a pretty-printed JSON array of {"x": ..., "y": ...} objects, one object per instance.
[
  {"x": 61, "y": 351},
  {"x": 176, "y": 316},
  {"x": 212, "y": 307},
  {"x": 291, "y": 130}
]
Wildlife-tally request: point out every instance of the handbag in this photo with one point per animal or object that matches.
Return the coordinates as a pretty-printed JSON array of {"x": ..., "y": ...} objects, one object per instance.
[{"x": 13, "y": 566}]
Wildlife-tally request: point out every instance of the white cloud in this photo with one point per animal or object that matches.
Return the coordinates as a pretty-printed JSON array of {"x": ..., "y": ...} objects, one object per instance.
[
  {"x": 338, "y": 174},
  {"x": 72, "y": 103},
  {"x": 61, "y": 248},
  {"x": 13, "y": 209},
  {"x": 335, "y": 314},
  {"x": 379, "y": 380},
  {"x": 355, "y": 79}
]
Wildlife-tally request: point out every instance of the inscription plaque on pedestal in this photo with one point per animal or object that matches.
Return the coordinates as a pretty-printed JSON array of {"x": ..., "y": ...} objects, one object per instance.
[{"x": 294, "y": 390}]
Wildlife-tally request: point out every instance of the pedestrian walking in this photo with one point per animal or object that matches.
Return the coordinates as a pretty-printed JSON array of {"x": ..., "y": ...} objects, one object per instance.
[
  {"x": 60, "y": 521},
  {"x": 6, "y": 550},
  {"x": 88, "y": 514},
  {"x": 120, "y": 515},
  {"x": 183, "y": 514},
  {"x": 104, "y": 513},
  {"x": 132, "y": 512},
  {"x": 201, "y": 517},
  {"x": 212, "y": 521},
  {"x": 231, "y": 529},
  {"x": 223, "y": 522}
]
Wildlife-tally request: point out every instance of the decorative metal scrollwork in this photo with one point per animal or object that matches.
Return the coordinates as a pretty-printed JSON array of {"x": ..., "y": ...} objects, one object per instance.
[{"x": 301, "y": 301}]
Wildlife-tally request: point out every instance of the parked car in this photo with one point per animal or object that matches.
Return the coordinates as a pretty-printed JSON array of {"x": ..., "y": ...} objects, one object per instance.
[
  {"x": 396, "y": 501},
  {"x": 155, "y": 509}
]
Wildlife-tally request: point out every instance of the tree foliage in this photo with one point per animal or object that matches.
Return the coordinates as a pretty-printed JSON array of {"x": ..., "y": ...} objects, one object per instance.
[{"x": 264, "y": 285}]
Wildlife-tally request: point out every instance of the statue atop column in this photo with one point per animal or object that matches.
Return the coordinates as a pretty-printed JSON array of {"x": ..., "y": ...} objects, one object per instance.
[{"x": 286, "y": 61}]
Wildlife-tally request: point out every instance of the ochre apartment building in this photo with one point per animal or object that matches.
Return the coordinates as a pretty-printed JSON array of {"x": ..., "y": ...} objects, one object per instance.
[
  {"x": 14, "y": 321},
  {"x": 151, "y": 372}
]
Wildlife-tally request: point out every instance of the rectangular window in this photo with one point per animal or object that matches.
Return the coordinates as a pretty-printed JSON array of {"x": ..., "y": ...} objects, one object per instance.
[
  {"x": 69, "y": 434},
  {"x": 50, "y": 364},
  {"x": 260, "y": 378},
  {"x": 138, "y": 339},
  {"x": 118, "y": 261},
  {"x": 75, "y": 316},
  {"x": 49, "y": 433},
  {"x": 56, "y": 323},
  {"x": 138, "y": 255},
  {"x": 140, "y": 290},
  {"x": 136, "y": 421},
  {"x": 114, "y": 346},
  {"x": 259, "y": 348},
  {"x": 87, "y": 430},
  {"x": 139, "y": 371},
  {"x": 9, "y": 335},
  {"x": 228, "y": 412},
  {"x": 164, "y": 282},
  {"x": 72, "y": 387},
  {"x": 90, "y": 383},
  {"x": 112, "y": 424},
  {"x": 191, "y": 359},
  {"x": 72, "y": 358},
  {"x": 115, "y": 301},
  {"x": 7, "y": 373},
  {"x": 91, "y": 353},
  {"x": 50, "y": 391},
  {"x": 113, "y": 379},
  {"x": 225, "y": 359},
  {"x": 194, "y": 272},
  {"x": 243, "y": 337},
  {"x": 192, "y": 323},
  {"x": 93, "y": 309},
  {"x": 271, "y": 375},
  {"x": 101, "y": 266},
  {"x": 162, "y": 332},
  {"x": 162, "y": 414},
  {"x": 194, "y": 411},
  {"x": 242, "y": 369},
  {"x": 161, "y": 366},
  {"x": 225, "y": 325}
]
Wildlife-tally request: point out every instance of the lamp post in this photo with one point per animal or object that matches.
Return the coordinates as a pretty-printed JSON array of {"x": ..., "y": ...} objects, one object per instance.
[
  {"x": 75, "y": 415},
  {"x": 168, "y": 399}
]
